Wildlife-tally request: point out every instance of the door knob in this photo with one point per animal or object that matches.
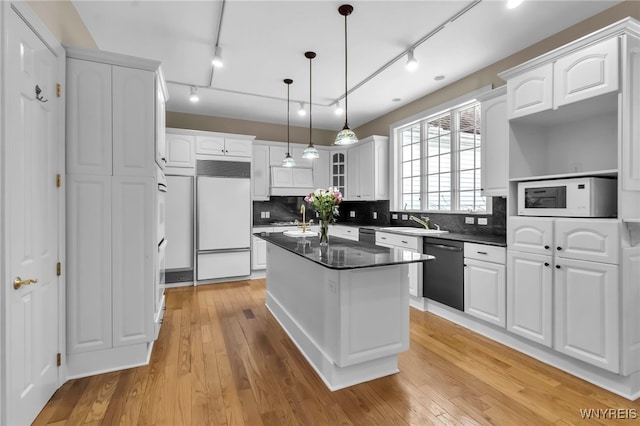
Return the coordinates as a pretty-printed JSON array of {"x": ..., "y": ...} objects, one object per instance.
[{"x": 19, "y": 282}]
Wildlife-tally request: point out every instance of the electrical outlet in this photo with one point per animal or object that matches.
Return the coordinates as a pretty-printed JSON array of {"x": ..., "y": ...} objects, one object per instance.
[
  {"x": 262, "y": 215},
  {"x": 394, "y": 216},
  {"x": 469, "y": 220},
  {"x": 267, "y": 215},
  {"x": 405, "y": 217},
  {"x": 375, "y": 215},
  {"x": 482, "y": 221},
  {"x": 352, "y": 213}
]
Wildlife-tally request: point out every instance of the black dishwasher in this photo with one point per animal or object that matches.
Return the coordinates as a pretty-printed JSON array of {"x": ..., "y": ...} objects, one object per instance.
[{"x": 443, "y": 278}]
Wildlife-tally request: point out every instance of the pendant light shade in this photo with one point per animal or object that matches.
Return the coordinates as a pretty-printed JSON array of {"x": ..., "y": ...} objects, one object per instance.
[
  {"x": 288, "y": 160},
  {"x": 346, "y": 136},
  {"x": 310, "y": 152}
]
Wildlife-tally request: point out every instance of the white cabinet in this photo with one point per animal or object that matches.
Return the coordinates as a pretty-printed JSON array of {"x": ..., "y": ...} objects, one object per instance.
[
  {"x": 530, "y": 296},
  {"x": 485, "y": 282},
  {"x": 629, "y": 196},
  {"x": 368, "y": 170},
  {"x": 495, "y": 144},
  {"x": 347, "y": 232},
  {"x": 292, "y": 181},
  {"x": 114, "y": 209},
  {"x": 587, "y": 239},
  {"x": 583, "y": 74},
  {"x": 589, "y": 72},
  {"x": 223, "y": 145},
  {"x": 530, "y": 234},
  {"x": 321, "y": 170},
  {"x": 181, "y": 152},
  {"x": 587, "y": 312},
  {"x": 259, "y": 249},
  {"x": 338, "y": 172},
  {"x": 530, "y": 92},
  {"x": 389, "y": 239},
  {"x": 260, "y": 172},
  {"x": 179, "y": 223}
]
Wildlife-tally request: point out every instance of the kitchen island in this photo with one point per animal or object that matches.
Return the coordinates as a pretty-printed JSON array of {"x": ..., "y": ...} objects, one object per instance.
[{"x": 344, "y": 305}]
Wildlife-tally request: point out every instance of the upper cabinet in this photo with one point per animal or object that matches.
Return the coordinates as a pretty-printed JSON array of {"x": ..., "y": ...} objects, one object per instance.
[
  {"x": 368, "y": 170},
  {"x": 181, "y": 151},
  {"x": 588, "y": 72},
  {"x": 338, "y": 169},
  {"x": 223, "y": 145},
  {"x": 495, "y": 143}
]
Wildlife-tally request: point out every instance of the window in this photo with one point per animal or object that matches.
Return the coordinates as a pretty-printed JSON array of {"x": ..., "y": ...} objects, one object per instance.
[{"x": 439, "y": 159}]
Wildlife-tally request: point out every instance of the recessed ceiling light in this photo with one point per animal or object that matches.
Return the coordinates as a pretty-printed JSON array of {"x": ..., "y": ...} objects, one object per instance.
[
  {"x": 396, "y": 100},
  {"x": 439, "y": 77},
  {"x": 512, "y": 4}
]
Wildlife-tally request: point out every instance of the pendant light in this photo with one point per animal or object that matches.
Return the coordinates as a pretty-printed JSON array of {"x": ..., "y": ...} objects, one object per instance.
[
  {"x": 288, "y": 161},
  {"x": 346, "y": 136},
  {"x": 310, "y": 152}
]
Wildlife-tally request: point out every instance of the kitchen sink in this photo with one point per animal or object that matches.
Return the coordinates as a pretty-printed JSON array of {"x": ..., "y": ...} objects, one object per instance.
[
  {"x": 300, "y": 233},
  {"x": 413, "y": 230}
]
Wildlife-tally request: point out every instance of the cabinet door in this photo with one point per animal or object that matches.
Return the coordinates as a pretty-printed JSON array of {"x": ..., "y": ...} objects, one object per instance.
[
  {"x": 530, "y": 296},
  {"x": 179, "y": 222},
  {"x": 321, "y": 170},
  {"x": 134, "y": 124},
  {"x": 89, "y": 131},
  {"x": 134, "y": 245},
  {"x": 302, "y": 178},
  {"x": 366, "y": 171},
  {"x": 495, "y": 147},
  {"x": 589, "y": 72},
  {"x": 237, "y": 147},
  {"x": 338, "y": 164},
  {"x": 587, "y": 312},
  {"x": 353, "y": 175},
  {"x": 210, "y": 145},
  {"x": 277, "y": 154},
  {"x": 89, "y": 263},
  {"x": 161, "y": 115},
  {"x": 585, "y": 239},
  {"x": 260, "y": 172},
  {"x": 485, "y": 291},
  {"x": 181, "y": 151},
  {"x": 630, "y": 300},
  {"x": 530, "y": 234},
  {"x": 258, "y": 254},
  {"x": 630, "y": 161},
  {"x": 530, "y": 92},
  {"x": 281, "y": 177}
]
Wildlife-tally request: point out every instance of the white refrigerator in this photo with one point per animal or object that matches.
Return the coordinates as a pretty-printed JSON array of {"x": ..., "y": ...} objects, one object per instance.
[{"x": 223, "y": 220}]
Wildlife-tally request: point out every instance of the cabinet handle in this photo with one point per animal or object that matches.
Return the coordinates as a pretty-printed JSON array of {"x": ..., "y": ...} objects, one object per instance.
[
  {"x": 482, "y": 252},
  {"x": 558, "y": 248},
  {"x": 404, "y": 242},
  {"x": 557, "y": 266},
  {"x": 546, "y": 247},
  {"x": 546, "y": 263},
  {"x": 383, "y": 238},
  {"x": 465, "y": 265}
]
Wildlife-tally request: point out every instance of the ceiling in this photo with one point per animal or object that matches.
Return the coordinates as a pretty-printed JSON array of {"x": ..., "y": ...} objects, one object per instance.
[{"x": 264, "y": 42}]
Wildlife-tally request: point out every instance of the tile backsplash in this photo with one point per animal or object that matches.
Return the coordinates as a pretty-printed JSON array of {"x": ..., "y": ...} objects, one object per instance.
[{"x": 377, "y": 213}]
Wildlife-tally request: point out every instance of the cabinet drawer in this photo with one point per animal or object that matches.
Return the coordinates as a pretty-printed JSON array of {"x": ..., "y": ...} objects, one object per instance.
[
  {"x": 224, "y": 264},
  {"x": 398, "y": 240},
  {"x": 349, "y": 233},
  {"x": 485, "y": 252}
]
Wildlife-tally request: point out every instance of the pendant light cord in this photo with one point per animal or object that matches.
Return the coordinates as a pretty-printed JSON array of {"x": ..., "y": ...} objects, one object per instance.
[
  {"x": 310, "y": 104},
  {"x": 288, "y": 88},
  {"x": 346, "y": 105}
]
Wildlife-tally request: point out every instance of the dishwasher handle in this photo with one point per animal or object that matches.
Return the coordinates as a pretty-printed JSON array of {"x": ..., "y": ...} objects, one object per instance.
[{"x": 443, "y": 247}]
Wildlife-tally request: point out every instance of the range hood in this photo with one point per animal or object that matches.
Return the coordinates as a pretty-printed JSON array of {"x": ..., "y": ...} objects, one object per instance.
[{"x": 291, "y": 181}]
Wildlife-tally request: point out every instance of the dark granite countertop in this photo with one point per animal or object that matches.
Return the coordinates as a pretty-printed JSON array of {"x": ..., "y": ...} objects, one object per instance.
[{"x": 341, "y": 253}]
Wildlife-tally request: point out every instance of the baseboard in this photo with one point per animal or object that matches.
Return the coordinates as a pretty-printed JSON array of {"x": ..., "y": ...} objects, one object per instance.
[{"x": 86, "y": 364}]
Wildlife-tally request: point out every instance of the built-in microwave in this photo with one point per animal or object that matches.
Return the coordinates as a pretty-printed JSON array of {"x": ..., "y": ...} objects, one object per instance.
[{"x": 575, "y": 197}]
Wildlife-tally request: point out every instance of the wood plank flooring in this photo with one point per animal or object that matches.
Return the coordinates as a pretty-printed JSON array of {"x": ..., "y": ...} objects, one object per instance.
[{"x": 222, "y": 359}]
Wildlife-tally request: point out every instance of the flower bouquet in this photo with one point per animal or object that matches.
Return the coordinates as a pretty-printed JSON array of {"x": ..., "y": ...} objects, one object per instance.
[{"x": 325, "y": 202}]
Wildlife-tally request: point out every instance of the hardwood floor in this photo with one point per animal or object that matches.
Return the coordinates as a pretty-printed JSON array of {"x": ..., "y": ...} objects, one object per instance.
[{"x": 221, "y": 359}]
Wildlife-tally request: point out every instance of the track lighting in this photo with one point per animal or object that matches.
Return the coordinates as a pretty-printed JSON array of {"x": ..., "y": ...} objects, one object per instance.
[
  {"x": 288, "y": 161},
  {"x": 310, "y": 152},
  {"x": 412, "y": 62},
  {"x": 301, "y": 111},
  {"x": 338, "y": 108},
  {"x": 194, "y": 94},
  {"x": 217, "y": 58}
]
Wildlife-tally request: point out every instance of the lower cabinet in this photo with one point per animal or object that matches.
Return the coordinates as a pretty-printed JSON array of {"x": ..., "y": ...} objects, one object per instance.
[
  {"x": 530, "y": 296},
  {"x": 485, "y": 283},
  {"x": 223, "y": 264},
  {"x": 587, "y": 311},
  {"x": 348, "y": 232}
]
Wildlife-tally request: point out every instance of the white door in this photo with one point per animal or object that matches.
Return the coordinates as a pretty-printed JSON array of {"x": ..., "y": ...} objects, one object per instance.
[{"x": 32, "y": 222}]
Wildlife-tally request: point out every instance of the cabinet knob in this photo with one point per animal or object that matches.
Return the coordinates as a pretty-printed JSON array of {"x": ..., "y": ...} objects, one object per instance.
[
  {"x": 558, "y": 248},
  {"x": 546, "y": 247},
  {"x": 557, "y": 266},
  {"x": 546, "y": 263}
]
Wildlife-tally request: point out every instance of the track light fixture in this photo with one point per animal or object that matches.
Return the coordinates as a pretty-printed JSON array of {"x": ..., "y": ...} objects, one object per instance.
[
  {"x": 301, "y": 111},
  {"x": 346, "y": 136},
  {"x": 217, "y": 58},
  {"x": 412, "y": 62},
  {"x": 338, "y": 110},
  {"x": 310, "y": 152},
  {"x": 288, "y": 161},
  {"x": 512, "y": 4},
  {"x": 193, "y": 97}
]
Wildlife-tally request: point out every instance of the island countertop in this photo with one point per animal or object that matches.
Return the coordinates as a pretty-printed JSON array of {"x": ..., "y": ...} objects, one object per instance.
[{"x": 341, "y": 253}]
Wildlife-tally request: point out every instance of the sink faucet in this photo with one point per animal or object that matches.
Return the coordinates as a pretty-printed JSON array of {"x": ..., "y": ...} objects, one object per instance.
[
  {"x": 424, "y": 221},
  {"x": 437, "y": 226},
  {"x": 304, "y": 224}
]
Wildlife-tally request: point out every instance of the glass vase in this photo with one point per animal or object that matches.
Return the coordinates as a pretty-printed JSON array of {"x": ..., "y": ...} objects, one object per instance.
[{"x": 324, "y": 232}]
